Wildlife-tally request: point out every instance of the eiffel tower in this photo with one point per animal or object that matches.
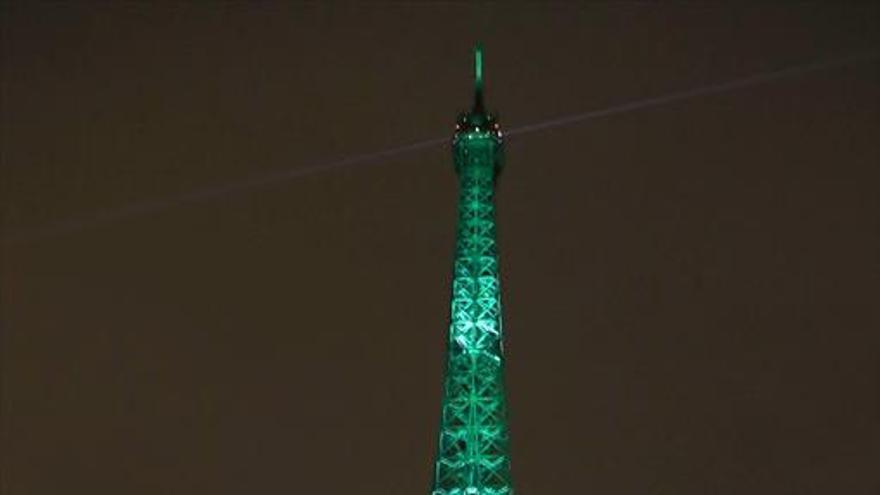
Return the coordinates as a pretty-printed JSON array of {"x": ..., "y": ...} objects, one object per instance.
[{"x": 472, "y": 451}]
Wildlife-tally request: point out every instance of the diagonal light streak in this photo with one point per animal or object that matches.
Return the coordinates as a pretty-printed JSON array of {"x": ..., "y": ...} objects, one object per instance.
[
  {"x": 208, "y": 193},
  {"x": 200, "y": 195},
  {"x": 723, "y": 87}
]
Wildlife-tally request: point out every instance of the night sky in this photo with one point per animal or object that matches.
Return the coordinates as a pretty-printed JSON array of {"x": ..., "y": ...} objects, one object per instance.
[{"x": 690, "y": 289}]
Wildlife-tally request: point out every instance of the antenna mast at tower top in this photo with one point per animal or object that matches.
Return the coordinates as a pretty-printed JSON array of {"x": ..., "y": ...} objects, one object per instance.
[{"x": 478, "y": 79}]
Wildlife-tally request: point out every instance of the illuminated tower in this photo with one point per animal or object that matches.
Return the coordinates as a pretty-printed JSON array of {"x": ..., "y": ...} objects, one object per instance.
[{"x": 472, "y": 451}]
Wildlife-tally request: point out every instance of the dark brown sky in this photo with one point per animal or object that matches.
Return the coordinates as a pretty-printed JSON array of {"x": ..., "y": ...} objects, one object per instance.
[{"x": 691, "y": 290}]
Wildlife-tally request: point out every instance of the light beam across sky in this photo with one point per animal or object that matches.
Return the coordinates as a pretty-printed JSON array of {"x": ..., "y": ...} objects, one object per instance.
[{"x": 146, "y": 207}]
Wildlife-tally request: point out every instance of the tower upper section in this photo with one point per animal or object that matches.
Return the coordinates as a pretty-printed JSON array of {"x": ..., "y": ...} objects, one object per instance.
[
  {"x": 472, "y": 449},
  {"x": 477, "y": 140}
]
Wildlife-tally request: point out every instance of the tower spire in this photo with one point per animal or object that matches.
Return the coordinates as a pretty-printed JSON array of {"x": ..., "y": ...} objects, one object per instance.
[{"x": 478, "y": 79}]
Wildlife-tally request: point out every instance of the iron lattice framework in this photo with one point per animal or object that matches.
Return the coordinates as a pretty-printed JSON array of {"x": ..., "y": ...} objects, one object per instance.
[{"x": 472, "y": 452}]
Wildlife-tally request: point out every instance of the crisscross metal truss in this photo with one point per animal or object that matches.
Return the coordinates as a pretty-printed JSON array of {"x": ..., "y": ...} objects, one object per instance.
[{"x": 472, "y": 453}]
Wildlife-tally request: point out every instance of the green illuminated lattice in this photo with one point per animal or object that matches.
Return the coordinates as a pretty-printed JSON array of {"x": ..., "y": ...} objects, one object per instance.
[{"x": 472, "y": 452}]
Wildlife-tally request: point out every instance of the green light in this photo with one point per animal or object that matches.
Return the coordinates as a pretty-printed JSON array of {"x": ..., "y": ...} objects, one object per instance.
[
  {"x": 478, "y": 67},
  {"x": 478, "y": 79},
  {"x": 472, "y": 451}
]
